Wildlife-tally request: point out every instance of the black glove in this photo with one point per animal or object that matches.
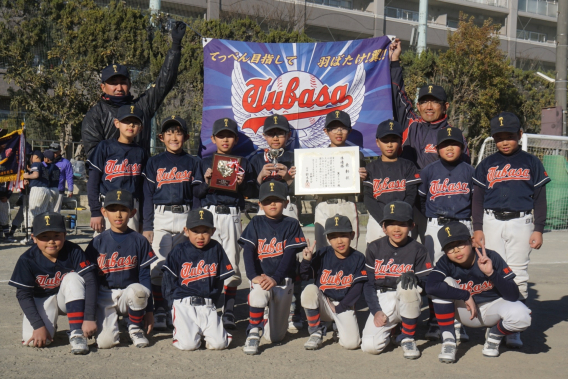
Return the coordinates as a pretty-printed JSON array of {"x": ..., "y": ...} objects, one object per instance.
[
  {"x": 178, "y": 31},
  {"x": 407, "y": 280}
]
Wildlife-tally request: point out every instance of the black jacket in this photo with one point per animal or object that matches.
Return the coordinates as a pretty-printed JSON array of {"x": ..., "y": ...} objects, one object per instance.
[{"x": 98, "y": 124}]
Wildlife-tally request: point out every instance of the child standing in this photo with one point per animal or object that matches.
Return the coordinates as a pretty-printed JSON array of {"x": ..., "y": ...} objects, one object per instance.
[
  {"x": 193, "y": 281},
  {"x": 53, "y": 174},
  {"x": 39, "y": 197}
]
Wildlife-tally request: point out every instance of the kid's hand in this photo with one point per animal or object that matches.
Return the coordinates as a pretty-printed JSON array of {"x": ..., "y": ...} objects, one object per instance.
[
  {"x": 97, "y": 224},
  {"x": 89, "y": 328},
  {"x": 536, "y": 240},
  {"x": 362, "y": 173},
  {"x": 290, "y": 174},
  {"x": 149, "y": 235},
  {"x": 207, "y": 176},
  {"x": 149, "y": 322},
  {"x": 395, "y": 49},
  {"x": 471, "y": 307},
  {"x": 40, "y": 337},
  {"x": 267, "y": 282},
  {"x": 478, "y": 239},
  {"x": 484, "y": 262},
  {"x": 240, "y": 179},
  {"x": 257, "y": 279},
  {"x": 308, "y": 252},
  {"x": 380, "y": 319}
]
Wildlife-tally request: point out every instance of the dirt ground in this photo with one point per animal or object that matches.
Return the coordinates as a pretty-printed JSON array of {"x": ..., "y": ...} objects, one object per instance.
[{"x": 543, "y": 354}]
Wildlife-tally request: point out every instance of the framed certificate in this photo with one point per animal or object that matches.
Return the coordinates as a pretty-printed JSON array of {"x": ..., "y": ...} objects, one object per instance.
[
  {"x": 327, "y": 171},
  {"x": 225, "y": 168}
]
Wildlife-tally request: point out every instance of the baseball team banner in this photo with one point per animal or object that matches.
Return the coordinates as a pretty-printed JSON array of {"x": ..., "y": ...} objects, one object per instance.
[
  {"x": 12, "y": 159},
  {"x": 303, "y": 81}
]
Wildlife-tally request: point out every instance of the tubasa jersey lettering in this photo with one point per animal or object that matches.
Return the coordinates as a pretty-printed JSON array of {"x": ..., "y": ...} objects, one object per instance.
[
  {"x": 114, "y": 170},
  {"x": 390, "y": 269},
  {"x": 44, "y": 281},
  {"x": 190, "y": 274},
  {"x": 336, "y": 281},
  {"x": 173, "y": 176},
  {"x": 446, "y": 188},
  {"x": 381, "y": 186},
  {"x": 494, "y": 175},
  {"x": 475, "y": 289},
  {"x": 273, "y": 249},
  {"x": 116, "y": 263}
]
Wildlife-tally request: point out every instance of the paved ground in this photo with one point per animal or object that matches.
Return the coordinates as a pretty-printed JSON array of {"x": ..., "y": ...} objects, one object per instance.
[{"x": 546, "y": 342}]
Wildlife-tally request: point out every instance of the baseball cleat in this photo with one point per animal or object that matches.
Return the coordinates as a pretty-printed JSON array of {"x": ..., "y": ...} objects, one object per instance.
[
  {"x": 160, "y": 318},
  {"x": 229, "y": 321},
  {"x": 251, "y": 344},
  {"x": 461, "y": 334},
  {"x": 137, "y": 336},
  {"x": 491, "y": 346},
  {"x": 448, "y": 353},
  {"x": 409, "y": 348},
  {"x": 78, "y": 342},
  {"x": 513, "y": 341},
  {"x": 433, "y": 333},
  {"x": 295, "y": 323},
  {"x": 314, "y": 342}
]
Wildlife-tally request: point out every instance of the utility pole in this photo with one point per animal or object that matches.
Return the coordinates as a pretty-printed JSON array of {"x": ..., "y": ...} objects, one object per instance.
[
  {"x": 155, "y": 6},
  {"x": 561, "y": 56},
  {"x": 423, "y": 26}
]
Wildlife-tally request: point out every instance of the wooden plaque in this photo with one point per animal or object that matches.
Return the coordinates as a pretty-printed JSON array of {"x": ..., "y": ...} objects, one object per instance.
[{"x": 225, "y": 168}]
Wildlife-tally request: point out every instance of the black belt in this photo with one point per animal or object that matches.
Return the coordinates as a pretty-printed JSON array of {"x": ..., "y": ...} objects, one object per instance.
[
  {"x": 385, "y": 289},
  {"x": 505, "y": 216},
  {"x": 445, "y": 220},
  {"x": 196, "y": 300},
  {"x": 174, "y": 208},
  {"x": 222, "y": 209}
]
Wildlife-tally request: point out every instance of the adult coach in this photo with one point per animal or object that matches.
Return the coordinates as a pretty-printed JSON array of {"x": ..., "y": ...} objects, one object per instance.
[{"x": 98, "y": 124}]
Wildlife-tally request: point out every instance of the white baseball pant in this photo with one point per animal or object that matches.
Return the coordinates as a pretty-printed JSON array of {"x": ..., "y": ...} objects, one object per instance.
[
  {"x": 54, "y": 195},
  {"x": 39, "y": 201},
  {"x": 325, "y": 210},
  {"x": 432, "y": 243},
  {"x": 374, "y": 230},
  {"x": 192, "y": 322},
  {"x": 72, "y": 288},
  {"x": 516, "y": 316},
  {"x": 346, "y": 322},
  {"x": 278, "y": 300},
  {"x": 168, "y": 232},
  {"x": 111, "y": 303},
  {"x": 291, "y": 210},
  {"x": 133, "y": 223},
  {"x": 395, "y": 305},
  {"x": 5, "y": 213},
  {"x": 510, "y": 239},
  {"x": 228, "y": 230},
  {"x": 58, "y": 202}
]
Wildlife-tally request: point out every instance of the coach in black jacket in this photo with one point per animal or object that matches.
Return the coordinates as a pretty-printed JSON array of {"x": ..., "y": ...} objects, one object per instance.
[{"x": 98, "y": 124}]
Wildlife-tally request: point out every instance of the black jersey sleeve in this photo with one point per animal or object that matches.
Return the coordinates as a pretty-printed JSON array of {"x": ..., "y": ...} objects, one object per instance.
[
  {"x": 436, "y": 285},
  {"x": 502, "y": 278},
  {"x": 26, "y": 300}
]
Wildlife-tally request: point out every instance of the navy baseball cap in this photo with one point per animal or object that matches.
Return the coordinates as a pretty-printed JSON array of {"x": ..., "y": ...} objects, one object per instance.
[
  {"x": 276, "y": 121},
  {"x": 119, "y": 197},
  {"x": 173, "y": 121},
  {"x": 397, "y": 211},
  {"x": 389, "y": 127},
  {"x": 48, "y": 222},
  {"x": 273, "y": 188},
  {"x": 450, "y": 134},
  {"x": 453, "y": 231},
  {"x": 129, "y": 111},
  {"x": 55, "y": 146},
  {"x": 340, "y": 116},
  {"x": 338, "y": 224},
  {"x": 225, "y": 124},
  {"x": 38, "y": 154},
  {"x": 199, "y": 217},
  {"x": 505, "y": 122},
  {"x": 114, "y": 70},
  {"x": 49, "y": 154},
  {"x": 434, "y": 91}
]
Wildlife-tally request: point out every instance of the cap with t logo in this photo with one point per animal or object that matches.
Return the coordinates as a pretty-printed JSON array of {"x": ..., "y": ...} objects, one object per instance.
[
  {"x": 453, "y": 231},
  {"x": 48, "y": 222},
  {"x": 199, "y": 217},
  {"x": 397, "y": 211},
  {"x": 114, "y": 70},
  {"x": 389, "y": 127},
  {"x": 276, "y": 121},
  {"x": 273, "y": 188},
  {"x": 338, "y": 224},
  {"x": 130, "y": 111},
  {"x": 173, "y": 120},
  {"x": 225, "y": 124},
  {"x": 450, "y": 134},
  {"x": 119, "y": 197},
  {"x": 505, "y": 122},
  {"x": 434, "y": 91},
  {"x": 340, "y": 116}
]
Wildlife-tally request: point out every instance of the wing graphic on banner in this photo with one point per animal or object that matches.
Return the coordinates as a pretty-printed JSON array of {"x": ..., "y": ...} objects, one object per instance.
[
  {"x": 238, "y": 89},
  {"x": 357, "y": 91}
]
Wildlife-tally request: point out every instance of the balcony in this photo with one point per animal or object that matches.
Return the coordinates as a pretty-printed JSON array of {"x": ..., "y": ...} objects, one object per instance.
[
  {"x": 541, "y": 7},
  {"x": 346, "y": 4},
  {"x": 533, "y": 36},
  {"x": 401, "y": 14},
  {"x": 494, "y": 3}
]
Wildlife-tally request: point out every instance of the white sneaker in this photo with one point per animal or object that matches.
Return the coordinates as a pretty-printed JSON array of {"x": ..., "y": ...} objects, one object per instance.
[
  {"x": 409, "y": 348},
  {"x": 448, "y": 353},
  {"x": 461, "y": 333},
  {"x": 314, "y": 342},
  {"x": 491, "y": 346},
  {"x": 160, "y": 319},
  {"x": 251, "y": 344},
  {"x": 137, "y": 336},
  {"x": 513, "y": 341},
  {"x": 433, "y": 333},
  {"x": 295, "y": 323},
  {"x": 78, "y": 342}
]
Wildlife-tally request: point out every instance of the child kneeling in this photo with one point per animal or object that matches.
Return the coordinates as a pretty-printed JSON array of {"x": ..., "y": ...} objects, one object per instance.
[
  {"x": 478, "y": 289},
  {"x": 193, "y": 281}
]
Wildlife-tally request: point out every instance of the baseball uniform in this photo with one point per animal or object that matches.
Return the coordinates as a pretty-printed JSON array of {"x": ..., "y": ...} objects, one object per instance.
[
  {"x": 53, "y": 174},
  {"x": 194, "y": 283},
  {"x": 123, "y": 261},
  {"x": 40, "y": 196},
  {"x": 339, "y": 281}
]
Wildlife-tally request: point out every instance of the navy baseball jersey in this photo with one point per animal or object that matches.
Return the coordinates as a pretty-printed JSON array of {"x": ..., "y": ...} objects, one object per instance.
[
  {"x": 334, "y": 276},
  {"x": 43, "y": 179},
  {"x": 216, "y": 196},
  {"x": 121, "y": 166},
  {"x": 52, "y": 174},
  {"x": 387, "y": 182},
  {"x": 473, "y": 280},
  {"x": 198, "y": 272},
  {"x": 35, "y": 271},
  {"x": 448, "y": 189},
  {"x": 261, "y": 158},
  {"x": 122, "y": 258},
  {"x": 510, "y": 180},
  {"x": 271, "y": 244},
  {"x": 388, "y": 262}
]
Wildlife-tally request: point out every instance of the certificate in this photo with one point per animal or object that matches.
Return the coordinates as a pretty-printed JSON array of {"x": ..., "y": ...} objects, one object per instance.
[
  {"x": 225, "y": 169},
  {"x": 325, "y": 171}
]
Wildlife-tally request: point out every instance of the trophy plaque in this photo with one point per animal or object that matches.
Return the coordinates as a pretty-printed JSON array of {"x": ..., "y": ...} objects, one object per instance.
[{"x": 225, "y": 169}]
